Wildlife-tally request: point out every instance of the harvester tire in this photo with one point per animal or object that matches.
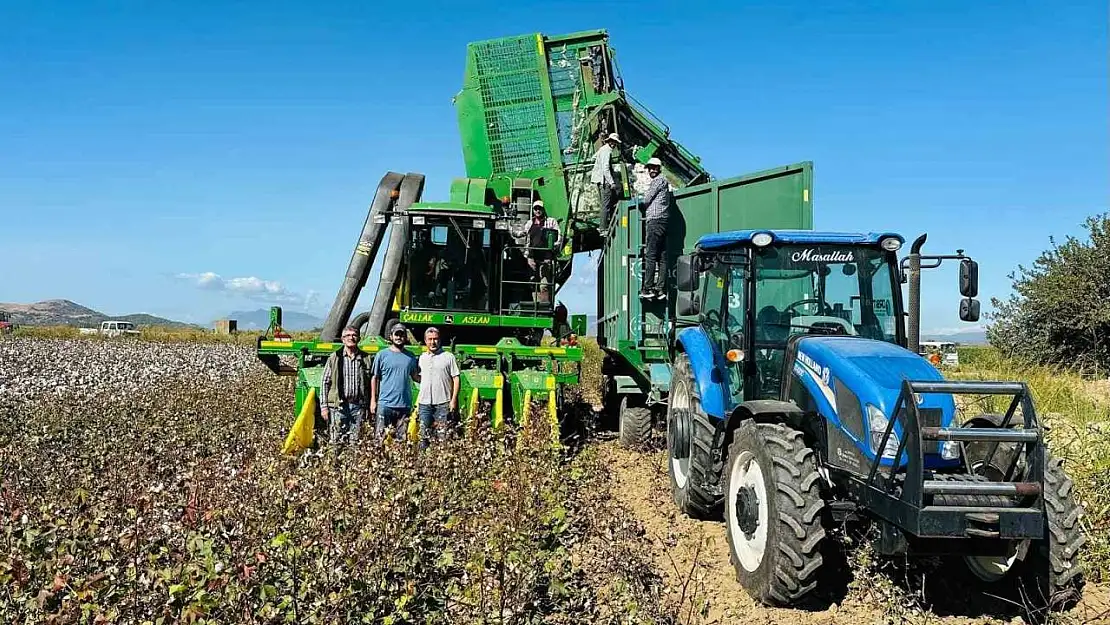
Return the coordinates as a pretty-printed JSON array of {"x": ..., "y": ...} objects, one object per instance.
[
  {"x": 693, "y": 467},
  {"x": 634, "y": 424},
  {"x": 1051, "y": 577},
  {"x": 774, "y": 513}
]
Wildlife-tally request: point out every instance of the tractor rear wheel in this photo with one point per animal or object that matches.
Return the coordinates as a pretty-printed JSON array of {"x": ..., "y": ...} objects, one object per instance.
[
  {"x": 634, "y": 424},
  {"x": 774, "y": 512},
  {"x": 1050, "y": 573},
  {"x": 693, "y": 466}
]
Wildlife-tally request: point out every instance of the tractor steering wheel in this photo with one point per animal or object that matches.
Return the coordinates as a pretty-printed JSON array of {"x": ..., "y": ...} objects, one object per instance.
[{"x": 822, "y": 308}]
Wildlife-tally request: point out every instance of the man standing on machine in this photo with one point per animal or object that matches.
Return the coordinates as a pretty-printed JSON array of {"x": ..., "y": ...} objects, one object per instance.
[
  {"x": 602, "y": 176},
  {"x": 656, "y": 205}
]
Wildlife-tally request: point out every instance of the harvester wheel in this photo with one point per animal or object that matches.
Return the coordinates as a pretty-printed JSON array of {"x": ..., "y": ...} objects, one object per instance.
[
  {"x": 634, "y": 424},
  {"x": 692, "y": 465},
  {"x": 1051, "y": 574},
  {"x": 774, "y": 511}
]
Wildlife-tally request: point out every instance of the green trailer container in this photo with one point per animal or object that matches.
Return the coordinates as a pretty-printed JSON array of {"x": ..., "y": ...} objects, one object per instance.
[{"x": 637, "y": 335}]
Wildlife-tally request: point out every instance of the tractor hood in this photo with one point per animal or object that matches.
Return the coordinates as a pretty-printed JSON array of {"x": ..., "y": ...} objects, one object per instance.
[{"x": 871, "y": 371}]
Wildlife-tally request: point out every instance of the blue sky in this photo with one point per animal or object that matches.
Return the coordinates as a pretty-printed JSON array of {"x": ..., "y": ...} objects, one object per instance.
[{"x": 143, "y": 141}]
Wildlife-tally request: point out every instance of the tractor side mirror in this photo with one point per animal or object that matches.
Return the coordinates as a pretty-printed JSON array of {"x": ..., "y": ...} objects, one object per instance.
[
  {"x": 687, "y": 304},
  {"x": 969, "y": 278},
  {"x": 686, "y": 278},
  {"x": 969, "y": 309}
]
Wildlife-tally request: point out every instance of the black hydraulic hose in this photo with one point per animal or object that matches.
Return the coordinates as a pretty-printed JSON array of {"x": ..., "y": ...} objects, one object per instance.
[
  {"x": 361, "y": 260},
  {"x": 411, "y": 189},
  {"x": 360, "y": 320}
]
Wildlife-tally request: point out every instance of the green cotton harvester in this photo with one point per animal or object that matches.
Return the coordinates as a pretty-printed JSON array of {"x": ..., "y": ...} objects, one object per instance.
[{"x": 532, "y": 112}]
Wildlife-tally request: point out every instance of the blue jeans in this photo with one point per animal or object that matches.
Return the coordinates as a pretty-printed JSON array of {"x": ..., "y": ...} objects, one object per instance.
[
  {"x": 345, "y": 422},
  {"x": 427, "y": 413},
  {"x": 395, "y": 419}
]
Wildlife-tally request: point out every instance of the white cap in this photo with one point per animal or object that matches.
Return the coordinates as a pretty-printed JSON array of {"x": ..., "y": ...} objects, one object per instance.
[
  {"x": 537, "y": 203},
  {"x": 613, "y": 137},
  {"x": 654, "y": 162}
]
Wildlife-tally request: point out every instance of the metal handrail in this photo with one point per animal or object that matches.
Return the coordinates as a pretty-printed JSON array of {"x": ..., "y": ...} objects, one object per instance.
[{"x": 536, "y": 286}]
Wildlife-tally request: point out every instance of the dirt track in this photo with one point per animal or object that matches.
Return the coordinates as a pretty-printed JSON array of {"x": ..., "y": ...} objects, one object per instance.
[{"x": 694, "y": 557}]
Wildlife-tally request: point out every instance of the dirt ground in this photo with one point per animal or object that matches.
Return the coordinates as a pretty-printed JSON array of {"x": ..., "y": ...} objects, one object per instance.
[{"x": 694, "y": 557}]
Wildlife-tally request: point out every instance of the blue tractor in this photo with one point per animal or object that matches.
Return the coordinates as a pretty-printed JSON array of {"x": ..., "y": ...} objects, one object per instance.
[{"x": 798, "y": 400}]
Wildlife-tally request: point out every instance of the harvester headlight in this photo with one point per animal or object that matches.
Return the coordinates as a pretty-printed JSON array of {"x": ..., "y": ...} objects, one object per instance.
[
  {"x": 479, "y": 223},
  {"x": 878, "y": 423},
  {"x": 501, "y": 225},
  {"x": 891, "y": 244},
  {"x": 418, "y": 221},
  {"x": 762, "y": 239}
]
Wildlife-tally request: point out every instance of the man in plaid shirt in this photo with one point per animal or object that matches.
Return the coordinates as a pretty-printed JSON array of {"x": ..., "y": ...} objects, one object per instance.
[
  {"x": 656, "y": 205},
  {"x": 345, "y": 389}
]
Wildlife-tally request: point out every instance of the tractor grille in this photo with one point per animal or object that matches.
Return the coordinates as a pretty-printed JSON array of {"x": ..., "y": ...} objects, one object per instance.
[
  {"x": 509, "y": 80},
  {"x": 930, "y": 418}
]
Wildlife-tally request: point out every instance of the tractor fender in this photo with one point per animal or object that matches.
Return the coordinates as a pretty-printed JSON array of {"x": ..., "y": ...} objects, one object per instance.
[
  {"x": 766, "y": 411},
  {"x": 706, "y": 365}
]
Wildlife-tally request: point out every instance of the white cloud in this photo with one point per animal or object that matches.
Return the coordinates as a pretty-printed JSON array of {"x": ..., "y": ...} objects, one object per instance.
[{"x": 250, "y": 287}]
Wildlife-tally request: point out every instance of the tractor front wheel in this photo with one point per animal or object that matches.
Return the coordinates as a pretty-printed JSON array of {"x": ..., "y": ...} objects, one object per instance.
[
  {"x": 692, "y": 463},
  {"x": 774, "y": 512},
  {"x": 1050, "y": 574}
]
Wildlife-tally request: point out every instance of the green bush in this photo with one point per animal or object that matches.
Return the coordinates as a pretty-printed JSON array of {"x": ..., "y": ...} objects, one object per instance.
[{"x": 1060, "y": 311}]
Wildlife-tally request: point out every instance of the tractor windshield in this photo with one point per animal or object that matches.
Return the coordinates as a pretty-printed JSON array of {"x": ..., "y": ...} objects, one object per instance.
[
  {"x": 450, "y": 266},
  {"x": 821, "y": 289}
]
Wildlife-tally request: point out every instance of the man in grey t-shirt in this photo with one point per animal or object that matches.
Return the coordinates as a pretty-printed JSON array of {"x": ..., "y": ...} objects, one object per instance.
[{"x": 439, "y": 388}]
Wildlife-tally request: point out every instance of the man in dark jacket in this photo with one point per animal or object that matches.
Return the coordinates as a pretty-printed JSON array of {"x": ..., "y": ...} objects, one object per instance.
[{"x": 345, "y": 389}]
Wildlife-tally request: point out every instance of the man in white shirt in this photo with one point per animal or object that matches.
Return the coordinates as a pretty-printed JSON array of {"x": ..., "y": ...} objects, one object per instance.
[
  {"x": 439, "y": 389},
  {"x": 602, "y": 176}
]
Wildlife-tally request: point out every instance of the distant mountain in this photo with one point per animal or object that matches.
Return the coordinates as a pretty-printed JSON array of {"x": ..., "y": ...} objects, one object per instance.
[
  {"x": 969, "y": 337},
  {"x": 62, "y": 312},
  {"x": 260, "y": 320}
]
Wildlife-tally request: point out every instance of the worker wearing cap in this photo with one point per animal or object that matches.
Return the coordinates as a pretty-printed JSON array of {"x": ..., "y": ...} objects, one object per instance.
[
  {"x": 390, "y": 393},
  {"x": 602, "y": 176},
  {"x": 540, "y": 252},
  {"x": 656, "y": 206}
]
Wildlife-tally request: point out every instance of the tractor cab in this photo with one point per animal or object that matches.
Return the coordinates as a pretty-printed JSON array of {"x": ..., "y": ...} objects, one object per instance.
[
  {"x": 474, "y": 266},
  {"x": 757, "y": 290}
]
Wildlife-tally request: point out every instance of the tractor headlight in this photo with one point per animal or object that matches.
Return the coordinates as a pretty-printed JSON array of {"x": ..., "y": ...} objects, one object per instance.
[
  {"x": 950, "y": 450},
  {"x": 418, "y": 221},
  {"x": 891, "y": 244},
  {"x": 878, "y": 423},
  {"x": 762, "y": 239}
]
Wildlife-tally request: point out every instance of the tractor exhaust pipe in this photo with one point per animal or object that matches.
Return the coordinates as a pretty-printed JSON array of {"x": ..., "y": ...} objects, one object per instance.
[
  {"x": 913, "y": 323},
  {"x": 362, "y": 258}
]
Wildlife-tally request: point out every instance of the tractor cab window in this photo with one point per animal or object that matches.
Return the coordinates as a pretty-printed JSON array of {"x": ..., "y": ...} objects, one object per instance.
[
  {"x": 724, "y": 305},
  {"x": 819, "y": 289},
  {"x": 450, "y": 266}
]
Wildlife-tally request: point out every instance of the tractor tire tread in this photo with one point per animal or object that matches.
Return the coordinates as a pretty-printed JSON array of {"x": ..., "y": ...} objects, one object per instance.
[
  {"x": 799, "y": 506},
  {"x": 635, "y": 426},
  {"x": 1065, "y": 539},
  {"x": 701, "y": 498}
]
